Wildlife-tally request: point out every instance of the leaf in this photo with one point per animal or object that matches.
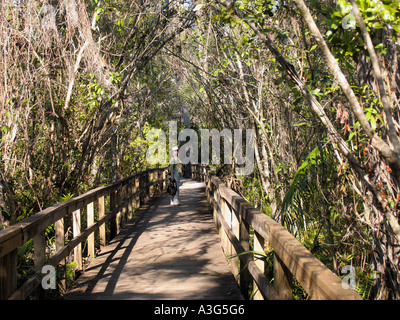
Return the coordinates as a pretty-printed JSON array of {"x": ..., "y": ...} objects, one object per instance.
[
  {"x": 377, "y": 25},
  {"x": 313, "y": 48},
  {"x": 351, "y": 135},
  {"x": 198, "y": 7},
  {"x": 344, "y": 6},
  {"x": 299, "y": 177},
  {"x": 249, "y": 18},
  {"x": 302, "y": 124},
  {"x": 25, "y": 248},
  {"x": 396, "y": 28},
  {"x": 349, "y": 22},
  {"x": 316, "y": 92}
]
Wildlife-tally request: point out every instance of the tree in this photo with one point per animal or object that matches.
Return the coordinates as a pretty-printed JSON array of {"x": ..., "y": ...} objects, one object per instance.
[{"x": 377, "y": 173}]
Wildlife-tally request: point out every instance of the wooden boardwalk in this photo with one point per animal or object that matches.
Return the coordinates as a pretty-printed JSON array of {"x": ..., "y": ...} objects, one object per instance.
[{"x": 164, "y": 253}]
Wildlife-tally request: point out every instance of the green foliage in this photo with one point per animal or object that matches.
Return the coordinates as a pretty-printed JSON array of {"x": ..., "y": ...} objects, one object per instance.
[
  {"x": 26, "y": 247},
  {"x": 252, "y": 190},
  {"x": 70, "y": 273},
  {"x": 344, "y": 33},
  {"x": 299, "y": 180},
  {"x": 66, "y": 197}
]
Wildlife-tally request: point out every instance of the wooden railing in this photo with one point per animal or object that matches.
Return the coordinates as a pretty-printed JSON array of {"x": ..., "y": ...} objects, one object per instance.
[
  {"x": 124, "y": 197},
  {"x": 236, "y": 219}
]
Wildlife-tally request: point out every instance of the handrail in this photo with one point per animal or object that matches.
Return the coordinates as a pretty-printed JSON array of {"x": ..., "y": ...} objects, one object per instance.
[
  {"x": 125, "y": 196},
  {"x": 234, "y": 216}
]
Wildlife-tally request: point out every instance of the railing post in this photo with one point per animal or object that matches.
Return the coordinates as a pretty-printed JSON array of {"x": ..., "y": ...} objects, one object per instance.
[
  {"x": 146, "y": 183},
  {"x": 164, "y": 176},
  {"x": 137, "y": 188},
  {"x": 39, "y": 255},
  {"x": 126, "y": 201},
  {"x": 60, "y": 242},
  {"x": 208, "y": 186},
  {"x": 214, "y": 200},
  {"x": 8, "y": 274},
  {"x": 230, "y": 219},
  {"x": 151, "y": 180},
  {"x": 123, "y": 213},
  {"x": 194, "y": 171},
  {"x": 283, "y": 279},
  {"x": 159, "y": 179},
  {"x": 76, "y": 230},
  {"x": 113, "y": 221},
  {"x": 258, "y": 247},
  {"x": 130, "y": 201},
  {"x": 143, "y": 184},
  {"x": 102, "y": 228},
  {"x": 233, "y": 222},
  {"x": 244, "y": 238},
  {"x": 119, "y": 214},
  {"x": 141, "y": 196},
  {"x": 90, "y": 221},
  {"x": 220, "y": 202},
  {"x": 39, "y": 247}
]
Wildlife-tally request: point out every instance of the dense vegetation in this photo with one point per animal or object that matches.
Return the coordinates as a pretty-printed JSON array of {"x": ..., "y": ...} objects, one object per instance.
[{"x": 82, "y": 82}]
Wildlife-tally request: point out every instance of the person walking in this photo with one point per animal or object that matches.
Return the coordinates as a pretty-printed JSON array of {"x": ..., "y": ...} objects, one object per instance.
[{"x": 175, "y": 169}]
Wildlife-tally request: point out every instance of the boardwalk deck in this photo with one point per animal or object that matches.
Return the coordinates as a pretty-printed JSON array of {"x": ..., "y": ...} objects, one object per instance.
[{"x": 167, "y": 253}]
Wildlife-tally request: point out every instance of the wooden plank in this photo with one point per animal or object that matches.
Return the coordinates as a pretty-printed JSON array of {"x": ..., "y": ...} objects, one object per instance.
[
  {"x": 235, "y": 227},
  {"x": 90, "y": 222},
  {"x": 150, "y": 180},
  {"x": 102, "y": 228},
  {"x": 261, "y": 281},
  {"x": 9, "y": 232},
  {"x": 283, "y": 279},
  {"x": 136, "y": 188},
  {"x": 10, "y": 239},
  {"x": 130, "y": 204},
  {"x": 8, "y": 274},
  {"x": 318, "y": 281},
  {"x": 39, "y": 249},
  {"x": 124, "y": 210},
  {"x": 258, "y": 246},
  {"x": 60, "y": 243},
  {"x": 113, "y": 223},
  {"x": 214, "y": 205},
  {"x": 244, "y": 239},
  {"x": 59, "y": 234},
  {"x": 118, "y": 217},
  {"x": 76, "y": 230},
  {"x": 227, "y": 246}
]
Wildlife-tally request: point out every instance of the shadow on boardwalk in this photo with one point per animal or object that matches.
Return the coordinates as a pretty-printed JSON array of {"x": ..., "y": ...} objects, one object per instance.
[{"x": 165, "y": 253}]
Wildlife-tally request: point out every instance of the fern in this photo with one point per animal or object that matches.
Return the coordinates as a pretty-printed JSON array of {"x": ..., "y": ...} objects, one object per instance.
[{"x": 299, "y": 188}]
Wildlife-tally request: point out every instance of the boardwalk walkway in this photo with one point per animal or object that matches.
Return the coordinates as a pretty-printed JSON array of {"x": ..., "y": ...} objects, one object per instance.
[{"x": 167, "y": 253}]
